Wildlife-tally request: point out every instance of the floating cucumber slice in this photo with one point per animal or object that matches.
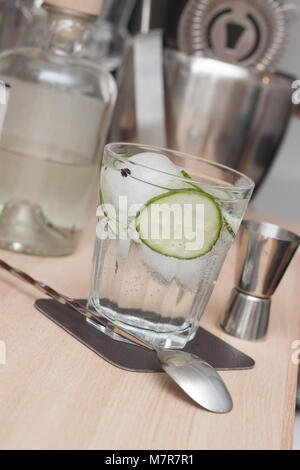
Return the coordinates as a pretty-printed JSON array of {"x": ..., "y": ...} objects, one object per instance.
[
  {"x": 233, "y": 223},
  {"x": 117, "y": 162},
  {"x": 228, "y": 227},
  {"x": 181, "y": 242},
  {"x": 226, "y": 223}
]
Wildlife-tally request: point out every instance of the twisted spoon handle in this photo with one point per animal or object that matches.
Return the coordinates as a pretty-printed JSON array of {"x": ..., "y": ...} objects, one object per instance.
[{"x": 62, "y": 299}]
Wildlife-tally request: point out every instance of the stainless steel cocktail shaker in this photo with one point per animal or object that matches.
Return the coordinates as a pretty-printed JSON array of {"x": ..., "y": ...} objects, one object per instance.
[{"x": 223, "y": 101}]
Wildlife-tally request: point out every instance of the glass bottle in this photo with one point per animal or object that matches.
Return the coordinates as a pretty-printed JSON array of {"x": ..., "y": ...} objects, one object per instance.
[
  {"x": 22, "y": 22},
  {"x": 55, "y": 128},
  {"x": 108, "y": 37},
  {"x": 106, "y": 45}
]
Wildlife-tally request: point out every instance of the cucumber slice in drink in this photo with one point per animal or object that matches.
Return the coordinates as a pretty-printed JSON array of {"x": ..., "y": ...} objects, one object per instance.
[
  {"x": 165, "y": 226},
  {"x": 229, "y": 228},
  {"x": 226, "y": 223}
]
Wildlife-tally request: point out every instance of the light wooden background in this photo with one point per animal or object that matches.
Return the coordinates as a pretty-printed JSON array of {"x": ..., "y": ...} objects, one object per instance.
[{"x": 57, "y": 394}]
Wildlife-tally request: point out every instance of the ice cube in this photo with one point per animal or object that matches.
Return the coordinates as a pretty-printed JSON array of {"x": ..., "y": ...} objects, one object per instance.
[
  {"x": 123, "y": 250},
  {"x": 137, "y": 179},
  {"x": 165, "y": 269},
  {"x": 140, "y": 185},
  {"x": 161, "y": 267}
]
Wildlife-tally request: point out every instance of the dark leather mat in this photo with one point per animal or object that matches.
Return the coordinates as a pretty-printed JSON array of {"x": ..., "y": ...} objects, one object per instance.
[{"x": 135, "y": 358}]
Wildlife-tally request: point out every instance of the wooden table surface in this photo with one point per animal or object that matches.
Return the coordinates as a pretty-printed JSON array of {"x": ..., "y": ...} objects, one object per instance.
[{"x": 57, "y": 394}]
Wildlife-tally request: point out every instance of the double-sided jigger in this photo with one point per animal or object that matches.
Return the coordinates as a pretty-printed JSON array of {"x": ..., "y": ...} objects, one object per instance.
[{"x": 264, "y": 253}]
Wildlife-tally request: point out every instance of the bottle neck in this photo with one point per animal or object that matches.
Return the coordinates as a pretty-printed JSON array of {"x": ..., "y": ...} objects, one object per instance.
[{"x": 66, "y": 31}]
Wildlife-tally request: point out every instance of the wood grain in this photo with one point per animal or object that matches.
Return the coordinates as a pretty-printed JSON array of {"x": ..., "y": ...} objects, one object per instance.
[{"x": 57, "y": 394}]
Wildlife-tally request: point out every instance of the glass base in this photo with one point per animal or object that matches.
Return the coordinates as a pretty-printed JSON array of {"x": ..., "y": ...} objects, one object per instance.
[
  {"x": 25, "y": 229},
  {"x": 163, "y": 337}
]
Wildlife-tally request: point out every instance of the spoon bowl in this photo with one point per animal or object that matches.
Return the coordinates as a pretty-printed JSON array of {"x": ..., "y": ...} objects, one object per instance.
[{"x": 198, "y": 379}]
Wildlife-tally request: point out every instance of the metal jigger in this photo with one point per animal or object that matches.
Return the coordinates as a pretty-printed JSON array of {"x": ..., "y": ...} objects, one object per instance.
[{"x": 265, "y": 251}]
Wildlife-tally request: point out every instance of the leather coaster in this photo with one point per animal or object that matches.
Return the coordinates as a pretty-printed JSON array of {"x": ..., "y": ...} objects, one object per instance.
[{"x": 135, "y": 358}]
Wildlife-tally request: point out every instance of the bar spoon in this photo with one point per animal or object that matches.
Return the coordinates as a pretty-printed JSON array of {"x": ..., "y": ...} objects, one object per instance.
[{"x": 196, "y": 377}]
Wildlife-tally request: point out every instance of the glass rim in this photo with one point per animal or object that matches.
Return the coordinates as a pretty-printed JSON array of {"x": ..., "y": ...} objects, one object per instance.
[
  {"x": 271, "y": 231},
  {"x": 220, "y": 166}
]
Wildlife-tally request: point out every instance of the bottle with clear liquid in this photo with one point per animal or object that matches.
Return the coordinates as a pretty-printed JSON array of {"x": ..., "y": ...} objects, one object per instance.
[{"x": 54, "y": 131}]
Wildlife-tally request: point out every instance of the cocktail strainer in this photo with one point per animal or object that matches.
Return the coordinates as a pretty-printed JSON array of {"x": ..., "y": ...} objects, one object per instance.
[{"x": 252, "y": 34}]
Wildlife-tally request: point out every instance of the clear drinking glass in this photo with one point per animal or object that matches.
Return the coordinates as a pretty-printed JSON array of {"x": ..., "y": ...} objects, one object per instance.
[{"x": 158, "y": 286}]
